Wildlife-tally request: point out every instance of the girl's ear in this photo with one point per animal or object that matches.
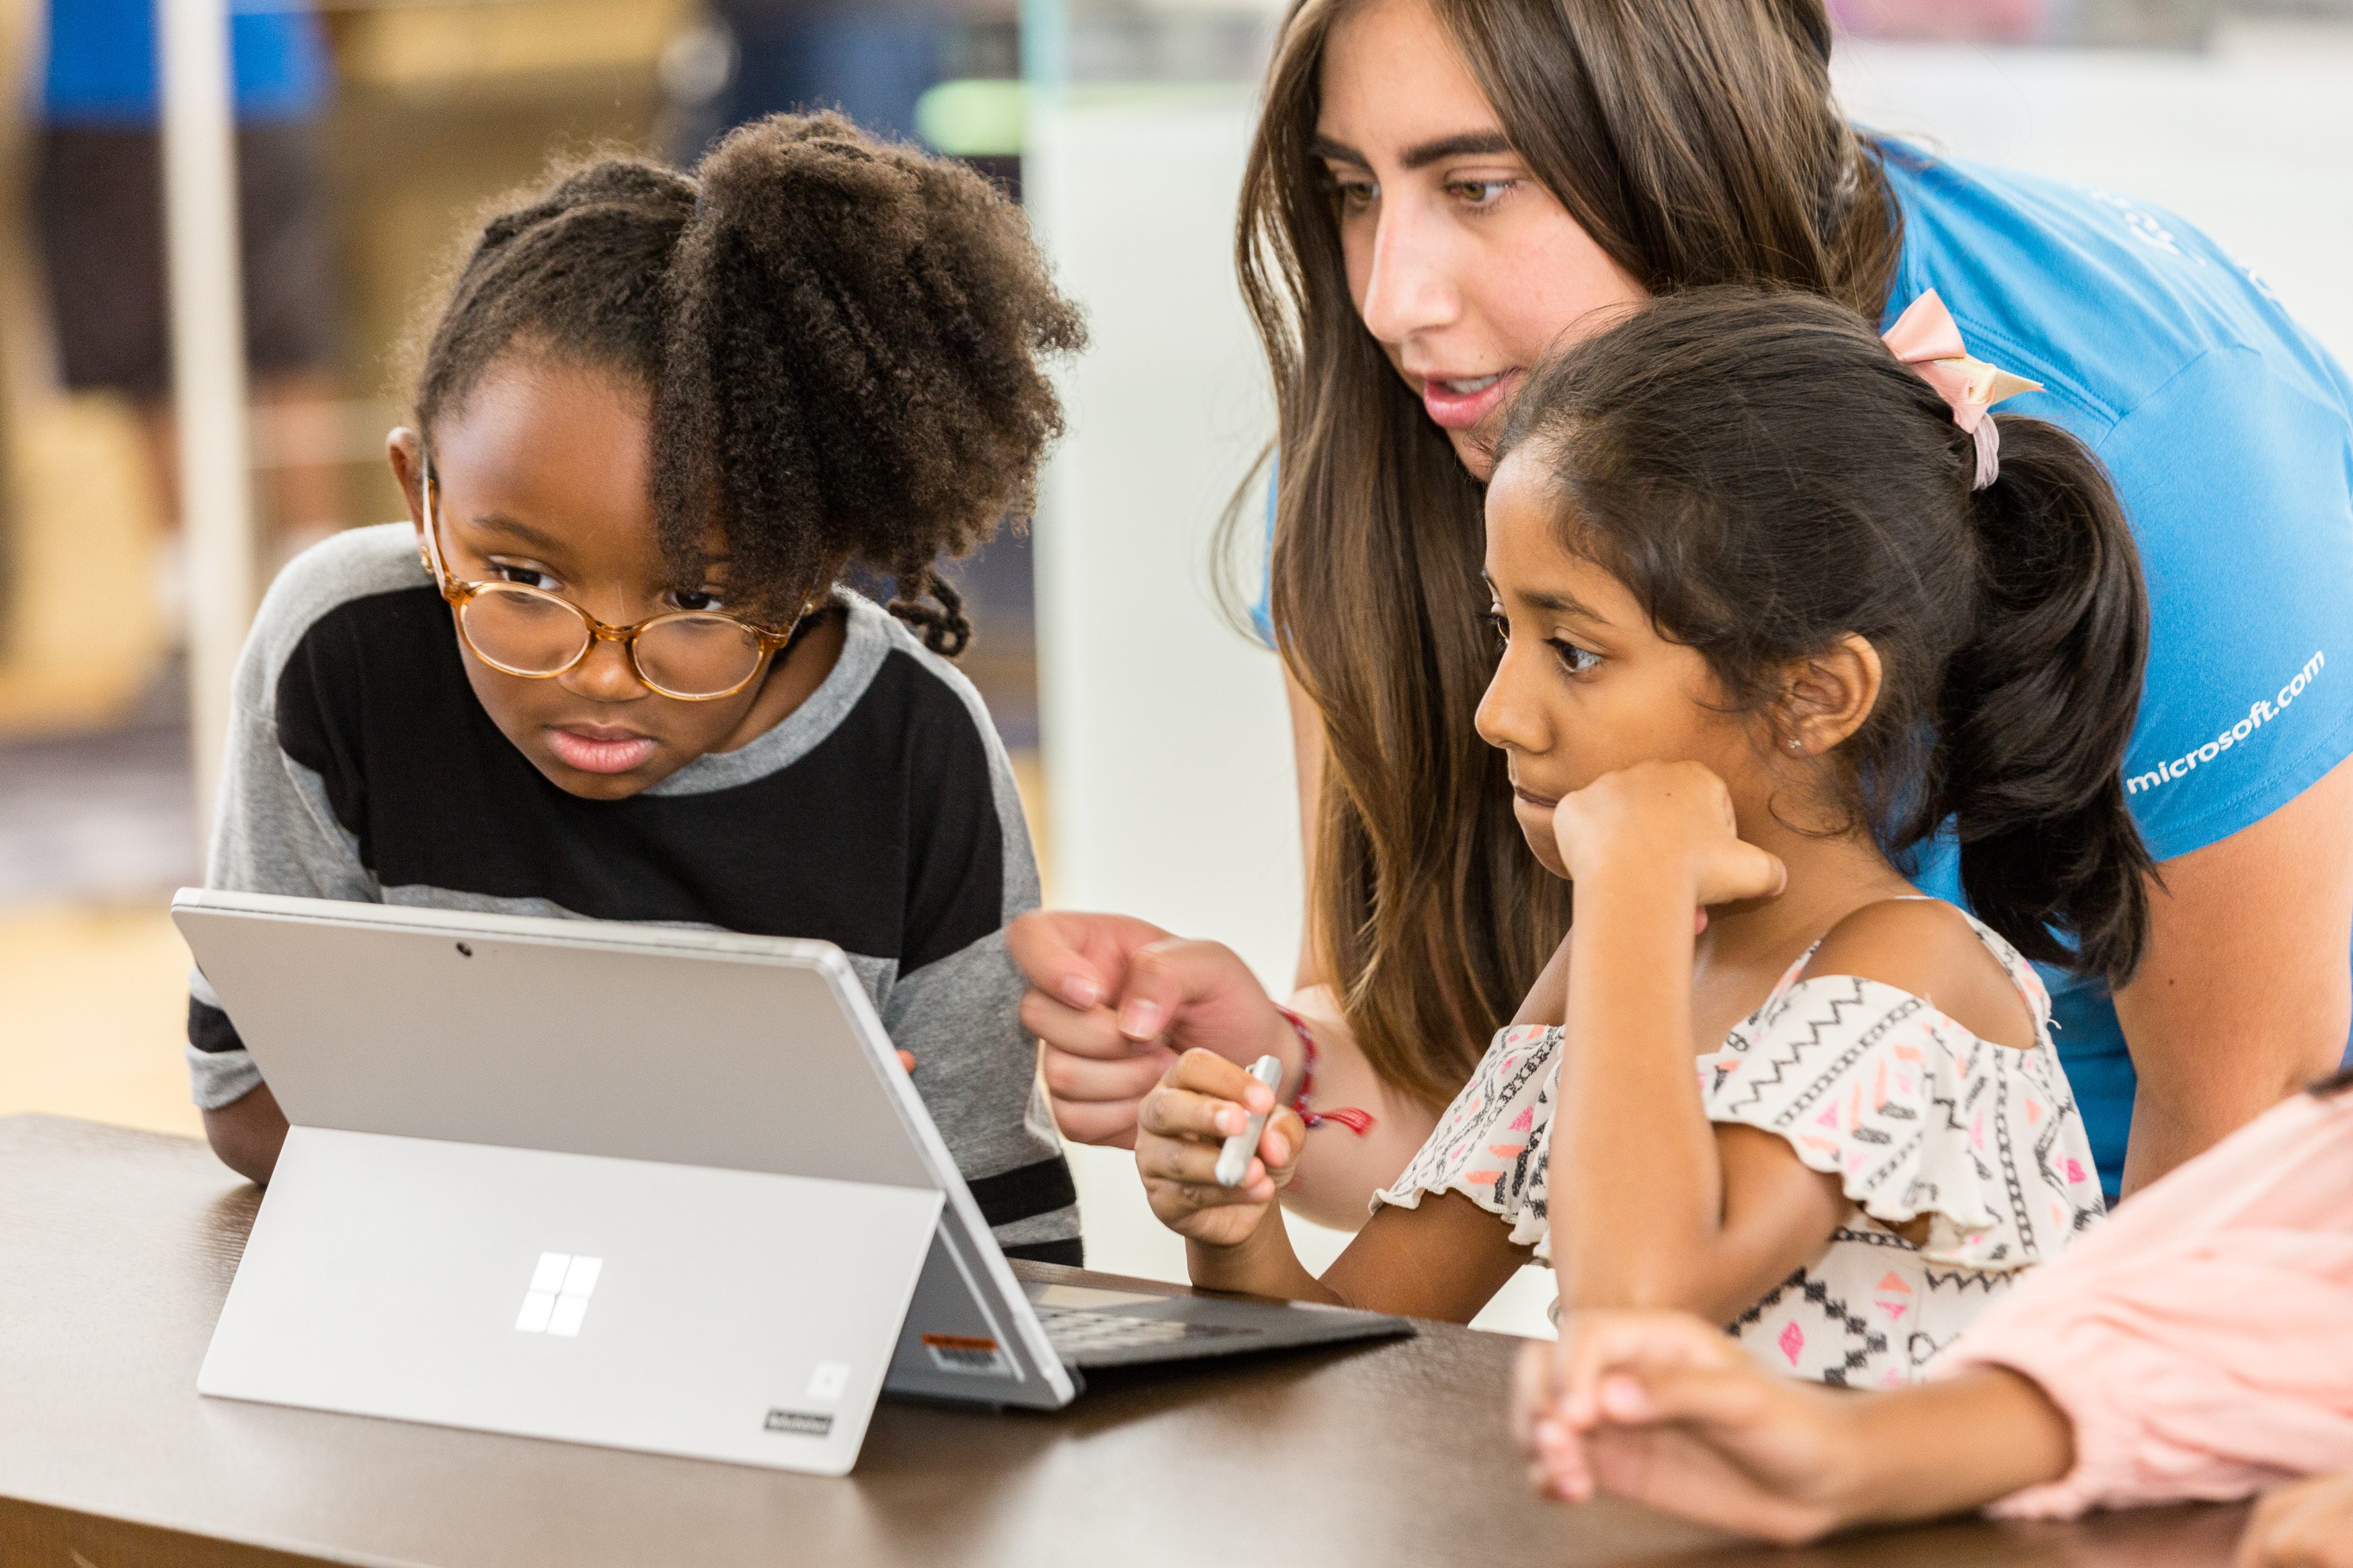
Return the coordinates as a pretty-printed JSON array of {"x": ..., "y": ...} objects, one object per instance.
[
  {"x": 405, "y": 450},
  {"x": 1828, "y": 696}
]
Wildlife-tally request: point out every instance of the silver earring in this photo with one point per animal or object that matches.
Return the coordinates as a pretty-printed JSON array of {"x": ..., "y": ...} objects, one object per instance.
[{"x": 1797, "y": 745}]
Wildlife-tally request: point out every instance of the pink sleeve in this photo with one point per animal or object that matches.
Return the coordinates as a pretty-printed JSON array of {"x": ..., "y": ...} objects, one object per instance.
[{"x": 2202, "y": 1341}]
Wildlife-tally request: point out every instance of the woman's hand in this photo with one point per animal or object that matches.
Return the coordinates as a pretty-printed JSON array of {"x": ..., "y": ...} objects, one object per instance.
[
  {"x": 1116, "y": 1000},
  {"x": 1663, "y": 1409},
  {"x": 1204, "y": 1100},
  {"x": 1675, "y": 818},
  {"x": 2308, "y": 1525}
]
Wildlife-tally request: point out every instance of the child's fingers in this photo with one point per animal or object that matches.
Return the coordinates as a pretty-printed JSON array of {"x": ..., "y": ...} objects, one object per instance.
[
  {"x": 907, "y": 1060},
  {"x": 1189, "y": 1164},
  {"x": 1735, "y": 869},
  {"x": 1176, "y": 1203},
  {"x": 1535, "y": 1389},
  {"x": 1561, "y": 1460},
  {"x": 1255, "y": 1192},
  {"x": 1757, "y": 873},
  {"x": 1719, "y": 1399},
  {"x": 1183, "y": 1134},
  {"x": 1280, "y": 1144},
  {"x": 1173, "y": 1112},
  {"x": 1206, "y": 1073},
  {"x": 1596, "y": 1346},
  {"x": 2305, "y": 1524}
]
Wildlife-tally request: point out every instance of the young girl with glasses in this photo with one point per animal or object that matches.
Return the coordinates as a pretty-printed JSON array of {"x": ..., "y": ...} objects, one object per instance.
[
  {"x": 1780, "y": 601},
  {"x": 610, "y": 669}
]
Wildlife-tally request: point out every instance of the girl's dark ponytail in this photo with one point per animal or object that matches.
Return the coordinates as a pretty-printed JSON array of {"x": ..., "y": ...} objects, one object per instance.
[{"x": 2036, "y": 708}]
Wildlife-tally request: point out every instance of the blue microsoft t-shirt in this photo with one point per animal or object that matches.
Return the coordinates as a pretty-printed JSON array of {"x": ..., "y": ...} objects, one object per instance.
[
  {"x": 100, "y": 68},
  {"x": 2229, "y": 434}
]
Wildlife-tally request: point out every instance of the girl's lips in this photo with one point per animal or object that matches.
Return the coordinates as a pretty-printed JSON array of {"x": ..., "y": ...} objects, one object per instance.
[
  {"x": 1456, "y": 404},
  {"x": 593, "y": 753},
  {"x": 1529, "y": 797}
]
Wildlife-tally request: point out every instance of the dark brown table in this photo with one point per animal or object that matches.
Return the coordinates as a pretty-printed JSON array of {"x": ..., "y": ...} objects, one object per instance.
[{"x": 116, "y": 1250}]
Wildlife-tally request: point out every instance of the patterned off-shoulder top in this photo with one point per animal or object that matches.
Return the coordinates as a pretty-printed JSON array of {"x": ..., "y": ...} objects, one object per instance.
[{"x": 1913, "y": 1114}]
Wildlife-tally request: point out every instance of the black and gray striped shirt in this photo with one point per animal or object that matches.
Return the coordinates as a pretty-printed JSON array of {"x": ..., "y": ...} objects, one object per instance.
[{"x": 879, "y": 815}]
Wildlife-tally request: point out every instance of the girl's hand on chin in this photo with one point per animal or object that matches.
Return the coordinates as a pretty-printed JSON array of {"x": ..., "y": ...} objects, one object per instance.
[
  {"x": 1184, "y": 1124},
  {"x": 1665, "y": 818}
]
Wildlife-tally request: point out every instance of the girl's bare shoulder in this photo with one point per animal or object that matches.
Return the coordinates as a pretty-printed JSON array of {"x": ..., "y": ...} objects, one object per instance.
[{"x": 1930, "y": 948}]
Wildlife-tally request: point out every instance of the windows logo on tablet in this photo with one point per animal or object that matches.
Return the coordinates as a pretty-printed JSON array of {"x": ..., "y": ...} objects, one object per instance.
[{"x": 558, "y": 1298}]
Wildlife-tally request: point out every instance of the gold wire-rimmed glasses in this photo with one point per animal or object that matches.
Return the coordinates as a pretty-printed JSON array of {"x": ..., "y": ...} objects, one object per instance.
[{"x": 692, "y": 656}]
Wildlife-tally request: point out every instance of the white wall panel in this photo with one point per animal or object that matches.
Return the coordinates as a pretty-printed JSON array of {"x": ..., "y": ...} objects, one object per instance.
[
  {"x": 1168, "y": 754},
  {"x": 2253, "y": 142}
]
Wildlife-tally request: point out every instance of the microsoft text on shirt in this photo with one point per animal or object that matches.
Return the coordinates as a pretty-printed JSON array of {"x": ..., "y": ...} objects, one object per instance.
[{"x": 2258, "y": 715}]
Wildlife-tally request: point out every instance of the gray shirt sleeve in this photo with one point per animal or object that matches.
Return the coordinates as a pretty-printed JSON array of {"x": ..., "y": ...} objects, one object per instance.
[
  {"x": 273, "y": 830},
  {"x": 960, "y": 1017}
]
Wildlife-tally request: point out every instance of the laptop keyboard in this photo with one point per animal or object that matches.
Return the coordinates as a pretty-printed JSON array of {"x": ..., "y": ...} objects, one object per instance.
[{"x": 1073, "y": 1331}]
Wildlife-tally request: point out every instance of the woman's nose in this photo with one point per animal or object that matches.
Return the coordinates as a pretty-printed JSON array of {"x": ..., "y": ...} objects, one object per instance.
[{"x": 1407, "y": 288}]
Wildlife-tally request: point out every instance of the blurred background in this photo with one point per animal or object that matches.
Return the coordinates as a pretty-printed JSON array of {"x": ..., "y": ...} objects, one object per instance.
[{"x": 1150, "y": 736}]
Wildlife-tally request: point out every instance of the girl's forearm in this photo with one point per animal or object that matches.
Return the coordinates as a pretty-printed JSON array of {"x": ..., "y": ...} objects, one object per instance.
[
  {"x": 1262, "y": 1266},
  {"x": 1636, "y": 1180},
  {"x": 1944, "y": 1447}
]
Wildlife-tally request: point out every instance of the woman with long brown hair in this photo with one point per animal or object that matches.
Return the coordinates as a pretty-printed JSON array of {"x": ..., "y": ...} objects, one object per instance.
[{"x": 1442, "y": 191}]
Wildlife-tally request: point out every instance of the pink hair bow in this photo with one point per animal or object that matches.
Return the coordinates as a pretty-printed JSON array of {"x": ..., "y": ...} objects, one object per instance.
[{"x": 1925, "y": 338}]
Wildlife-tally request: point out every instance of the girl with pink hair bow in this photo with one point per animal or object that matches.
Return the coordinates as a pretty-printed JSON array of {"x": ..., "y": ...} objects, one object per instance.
[{"x": 1778, "y": 602}]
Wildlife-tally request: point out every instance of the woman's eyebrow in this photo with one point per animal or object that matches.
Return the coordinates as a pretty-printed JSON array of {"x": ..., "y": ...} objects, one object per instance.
[
  {"x": 1333, "y": 152},
  {"x": 1469, "y": 144},
  {"x": 1422, "y": 154}
]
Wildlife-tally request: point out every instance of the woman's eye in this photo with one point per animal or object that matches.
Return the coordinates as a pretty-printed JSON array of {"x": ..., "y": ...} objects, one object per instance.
[
  {"x": 1354, "y": 196},
  {"x": 1575, "y": 660},
  {"x": 703, "y": 599},
  {"x": 527, "y": 577},
  {"x": 1483, "y": 193},
  {"x": 1501, "y": 626}
]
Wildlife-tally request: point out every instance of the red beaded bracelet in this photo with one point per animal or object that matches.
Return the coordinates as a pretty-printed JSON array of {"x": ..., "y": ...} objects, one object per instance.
[{"x": 1357, "y": 1122}]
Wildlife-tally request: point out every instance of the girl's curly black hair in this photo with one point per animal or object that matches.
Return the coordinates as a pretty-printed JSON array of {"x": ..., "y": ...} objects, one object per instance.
[{"x": 842, "y": 338}]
